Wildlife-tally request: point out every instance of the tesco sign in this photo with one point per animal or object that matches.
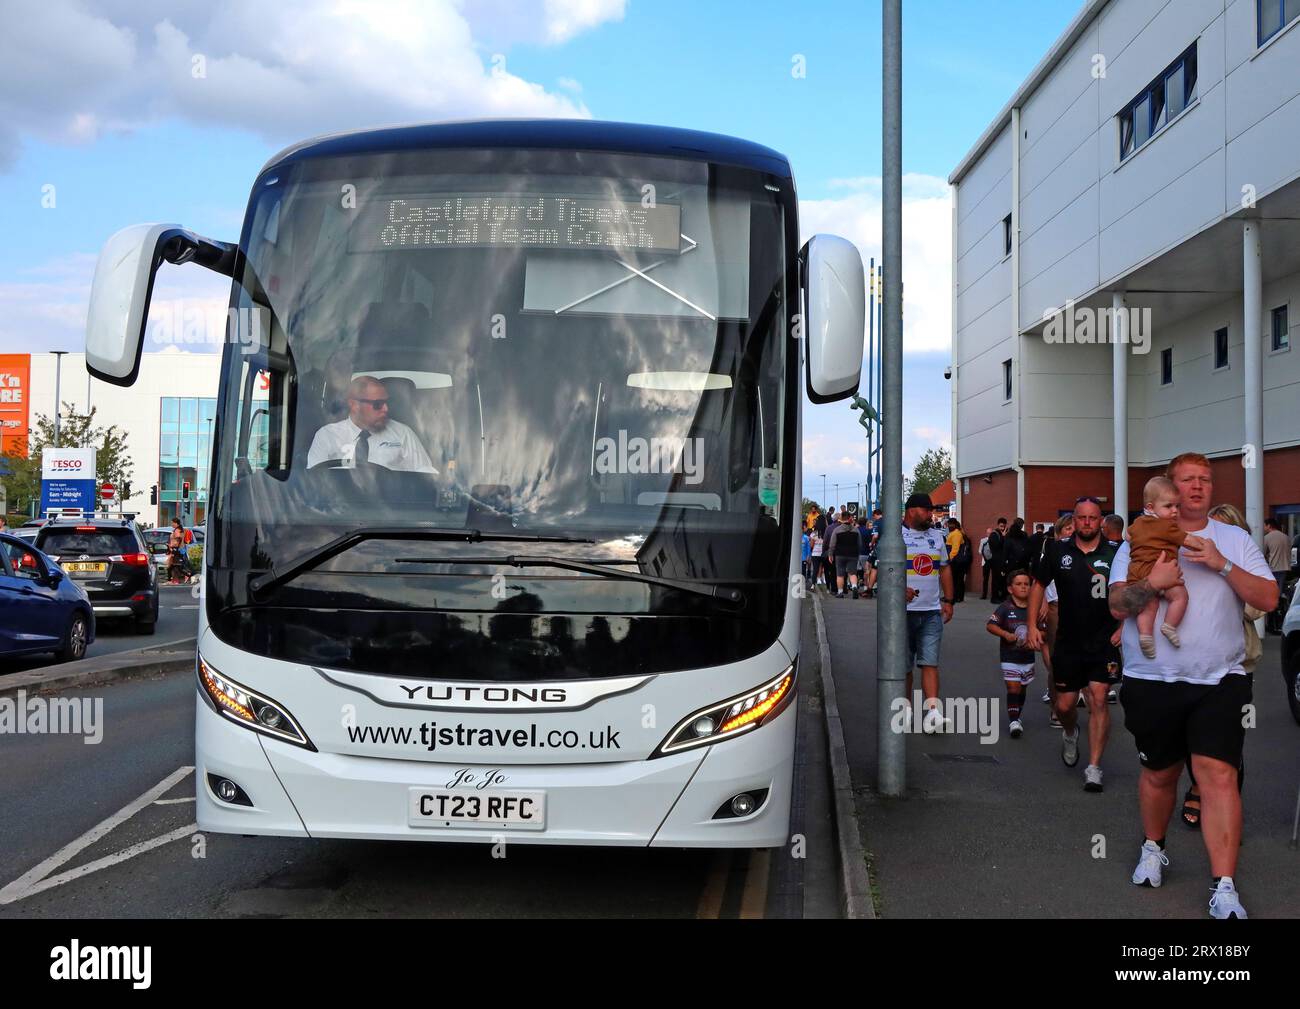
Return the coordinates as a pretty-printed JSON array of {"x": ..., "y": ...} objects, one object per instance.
[{"x": 68, "y": 463}]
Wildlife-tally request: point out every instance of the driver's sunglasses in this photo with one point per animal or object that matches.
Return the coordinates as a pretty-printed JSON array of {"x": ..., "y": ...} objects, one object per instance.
[{"x": 375, "y": 404}]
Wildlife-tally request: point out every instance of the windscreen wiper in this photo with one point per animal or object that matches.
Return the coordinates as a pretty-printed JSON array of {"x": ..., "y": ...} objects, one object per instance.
[
  {"x": 279, "y": 574},
  {"x": 729, "y": 595}
]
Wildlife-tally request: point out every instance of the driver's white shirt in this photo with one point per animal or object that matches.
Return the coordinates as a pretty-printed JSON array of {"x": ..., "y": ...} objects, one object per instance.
[{"x": 395, "y": 447}]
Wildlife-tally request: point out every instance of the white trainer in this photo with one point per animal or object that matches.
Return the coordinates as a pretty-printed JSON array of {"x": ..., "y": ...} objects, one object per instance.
[
  {"x": 1150, "y": 867},
  {"x": 1092, "y": 778},
  {"x": 933, "y": 720},
  {"x": 1015, "y": 728},
  {"x": 1226, "y": 902},
  {"x": 1070, "y": 747}
]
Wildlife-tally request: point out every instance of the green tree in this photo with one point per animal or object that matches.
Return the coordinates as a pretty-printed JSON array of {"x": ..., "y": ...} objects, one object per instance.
[
  {"x": 76, "y": 430},
  {"x": 932, "y": 469}
]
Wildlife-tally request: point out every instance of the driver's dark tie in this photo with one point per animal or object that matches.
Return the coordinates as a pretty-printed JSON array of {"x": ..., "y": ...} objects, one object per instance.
[{"x": 363, "y": 447}]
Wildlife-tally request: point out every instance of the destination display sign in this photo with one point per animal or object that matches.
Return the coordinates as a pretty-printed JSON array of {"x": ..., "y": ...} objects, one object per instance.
[{"x": 543, "y": 221}]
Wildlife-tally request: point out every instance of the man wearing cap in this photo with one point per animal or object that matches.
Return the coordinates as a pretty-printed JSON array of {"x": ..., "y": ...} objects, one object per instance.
[{"x": 929, "y": 603}]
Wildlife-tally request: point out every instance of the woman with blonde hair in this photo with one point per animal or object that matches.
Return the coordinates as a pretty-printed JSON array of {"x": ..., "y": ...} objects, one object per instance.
[{"x": 1229, "y": 515}]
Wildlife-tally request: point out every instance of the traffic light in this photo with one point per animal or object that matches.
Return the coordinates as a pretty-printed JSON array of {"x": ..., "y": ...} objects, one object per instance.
[
  {"x": 153, "y": 494},
  {"x": 185, "y": 490}
]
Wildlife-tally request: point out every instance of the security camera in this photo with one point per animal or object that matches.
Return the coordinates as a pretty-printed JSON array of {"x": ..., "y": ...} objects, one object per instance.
[{"x": 947, "y": 372}]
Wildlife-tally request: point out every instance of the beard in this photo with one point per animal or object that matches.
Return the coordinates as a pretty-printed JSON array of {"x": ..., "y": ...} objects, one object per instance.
[{"x": 1087, "y": 537}]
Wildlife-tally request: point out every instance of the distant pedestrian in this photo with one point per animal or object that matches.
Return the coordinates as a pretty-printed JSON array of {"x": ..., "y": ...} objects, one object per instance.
[
  {"x": 1010, "y": 624},
  {"x": 815, "y": 547},
  {"x": 929, "y": 604},
  {"x": 1015, "y": 553},
  {"x": 805, "y": 553},
  {"x": 1112, "y": 527},
  {"x": 986, "y": 564},
  {"x": 960, "y": 557},
  {"x": 1277, "y": 551},
  {"x": 845, "y": 546},
  {"x": 997, "y": 561}
]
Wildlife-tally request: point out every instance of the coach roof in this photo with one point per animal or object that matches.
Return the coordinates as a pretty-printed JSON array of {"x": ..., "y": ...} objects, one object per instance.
[{"x": 562, "y": 134}]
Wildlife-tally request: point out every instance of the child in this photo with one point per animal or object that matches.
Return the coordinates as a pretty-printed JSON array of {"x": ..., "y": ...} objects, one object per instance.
[
  {"x": 814, "y": 558},
  {"x": 1010, "y": 623},
  {"x": 1153, "y": 533}
]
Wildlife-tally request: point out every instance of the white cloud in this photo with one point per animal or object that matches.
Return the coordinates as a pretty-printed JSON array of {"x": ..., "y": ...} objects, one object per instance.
[
  {"x": 282, "y": 71},
  {"x": 927, "y": 245}
]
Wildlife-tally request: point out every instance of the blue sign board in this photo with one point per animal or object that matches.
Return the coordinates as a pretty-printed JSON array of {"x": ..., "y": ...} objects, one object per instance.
[{"x": 68, "y": 479}]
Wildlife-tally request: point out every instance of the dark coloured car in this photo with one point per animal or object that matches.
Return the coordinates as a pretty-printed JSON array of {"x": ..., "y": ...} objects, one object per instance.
[
  {"x": 109, "y": 559},
  {"x": 41, "y": 608}
]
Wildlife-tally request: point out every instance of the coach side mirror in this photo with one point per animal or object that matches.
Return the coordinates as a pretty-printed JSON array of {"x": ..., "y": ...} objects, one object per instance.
[
  {"x": 835, "y": 317},
  {"x": 123, "y": 287}
]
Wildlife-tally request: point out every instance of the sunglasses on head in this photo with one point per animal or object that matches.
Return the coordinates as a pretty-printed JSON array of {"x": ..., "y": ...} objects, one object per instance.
[{"x": 1090, "y": 498}]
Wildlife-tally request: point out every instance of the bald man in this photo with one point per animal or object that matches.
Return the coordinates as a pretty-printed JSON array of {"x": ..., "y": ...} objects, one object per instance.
[{"x": 367, "y": 435}]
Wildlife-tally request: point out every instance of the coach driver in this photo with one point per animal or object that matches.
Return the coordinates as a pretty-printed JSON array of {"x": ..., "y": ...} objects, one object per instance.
[{"x": 367, "y": 434}]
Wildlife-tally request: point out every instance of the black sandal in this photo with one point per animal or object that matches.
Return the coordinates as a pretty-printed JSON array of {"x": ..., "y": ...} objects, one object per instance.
[{"x": 1192, "y": 813}]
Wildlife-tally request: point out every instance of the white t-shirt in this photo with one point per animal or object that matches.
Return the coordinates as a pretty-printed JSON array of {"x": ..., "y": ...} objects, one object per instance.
[
  {"x": 1213, "y": 642},
  {"x": 395, "y": 447},
  {"x": 927, "y": 552}
]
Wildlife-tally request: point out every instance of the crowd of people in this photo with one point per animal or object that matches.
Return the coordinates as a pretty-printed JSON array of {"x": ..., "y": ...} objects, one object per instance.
[{"x": 1159, "y": 617}]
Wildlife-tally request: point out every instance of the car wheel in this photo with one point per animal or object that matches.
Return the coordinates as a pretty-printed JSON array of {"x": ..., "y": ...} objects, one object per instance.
[
  {"x": 1293, "y": 691},
  {"x": 74, "y": 643},
  {"x": 146, "y": 627}
]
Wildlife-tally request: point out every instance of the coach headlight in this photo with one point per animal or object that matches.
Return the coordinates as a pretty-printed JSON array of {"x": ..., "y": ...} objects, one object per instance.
[
  {"x": 732, "y": 717},
  {"x": 248, "y": 708}
]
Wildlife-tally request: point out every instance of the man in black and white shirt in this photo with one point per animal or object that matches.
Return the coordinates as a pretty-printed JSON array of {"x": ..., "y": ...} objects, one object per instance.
[
  {"x": 1191, "y": 700},
  {"x": 367, "y": 434}
]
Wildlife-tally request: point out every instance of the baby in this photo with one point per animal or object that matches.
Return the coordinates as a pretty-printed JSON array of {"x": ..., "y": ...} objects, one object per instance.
[{"x": 1153, "y": 533}]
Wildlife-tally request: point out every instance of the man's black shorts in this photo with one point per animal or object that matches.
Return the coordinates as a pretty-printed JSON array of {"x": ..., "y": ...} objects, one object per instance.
[
  {"x": 1170, "y": 720},
  {"x": 1074, "y": 668}
]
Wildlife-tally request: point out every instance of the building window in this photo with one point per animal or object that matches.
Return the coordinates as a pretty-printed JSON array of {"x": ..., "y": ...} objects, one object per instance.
[
  {"x": 184, "y": 448},
  {"x": 1006, "y": 236},
  {"x": 1006, "y": 381},
  {"x": 1167, "y": 366},
  {"x": 1220, "y": 348},
  {"x": 1281, "y": 337},
  {"x": 1160, "y": 102},
  {"x": 1274, "y": 15}
]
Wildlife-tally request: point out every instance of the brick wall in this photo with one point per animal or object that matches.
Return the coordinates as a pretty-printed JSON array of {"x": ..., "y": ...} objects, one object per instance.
[{"x": 985, "y": 503}]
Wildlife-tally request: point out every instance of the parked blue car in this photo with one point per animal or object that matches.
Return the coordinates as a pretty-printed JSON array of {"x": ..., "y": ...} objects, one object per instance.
[{"x": 41, "y": 608}]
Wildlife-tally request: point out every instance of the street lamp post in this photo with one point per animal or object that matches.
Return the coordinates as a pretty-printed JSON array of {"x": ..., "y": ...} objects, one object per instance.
[
  {"x": 58, "y": 379},
  {"x": 891, "y": 640}
]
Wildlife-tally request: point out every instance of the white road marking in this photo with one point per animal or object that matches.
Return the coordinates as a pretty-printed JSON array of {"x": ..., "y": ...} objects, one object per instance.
[
  {"x": 173, "y": 802},
  {"x": 107, "y": 860},
  {"x": 34, "y": 880},
  {"x": 187, "y": 606}
]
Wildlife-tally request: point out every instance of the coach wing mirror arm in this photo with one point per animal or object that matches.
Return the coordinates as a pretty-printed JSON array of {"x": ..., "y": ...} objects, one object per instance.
[
  {"x": 123, "y": 287},
  {"x": 835, "y": 316}
]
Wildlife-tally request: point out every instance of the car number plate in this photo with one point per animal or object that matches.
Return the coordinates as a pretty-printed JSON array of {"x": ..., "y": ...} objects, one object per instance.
[
  {"x": 487, "y": 808},
  {"x": 86, "y": 567}
]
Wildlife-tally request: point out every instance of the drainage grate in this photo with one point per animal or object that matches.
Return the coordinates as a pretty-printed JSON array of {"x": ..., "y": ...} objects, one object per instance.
[{"x": 964, "y": 758}]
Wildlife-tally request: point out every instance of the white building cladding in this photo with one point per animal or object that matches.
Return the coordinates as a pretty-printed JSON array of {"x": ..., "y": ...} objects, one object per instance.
[
  {"x": 137, "y": 410},
  {"x": 1061, "y": 202}
]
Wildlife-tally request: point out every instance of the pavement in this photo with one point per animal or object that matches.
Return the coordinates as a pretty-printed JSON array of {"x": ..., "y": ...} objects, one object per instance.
[{"x": 1005, "y": 829}]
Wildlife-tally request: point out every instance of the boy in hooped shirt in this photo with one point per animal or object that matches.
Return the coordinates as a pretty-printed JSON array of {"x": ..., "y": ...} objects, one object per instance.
[{"x": 1010, "y": 624}]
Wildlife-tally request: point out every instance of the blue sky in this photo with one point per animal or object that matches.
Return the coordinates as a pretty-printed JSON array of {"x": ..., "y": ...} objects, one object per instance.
[{"x": 97, "y": 102}]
